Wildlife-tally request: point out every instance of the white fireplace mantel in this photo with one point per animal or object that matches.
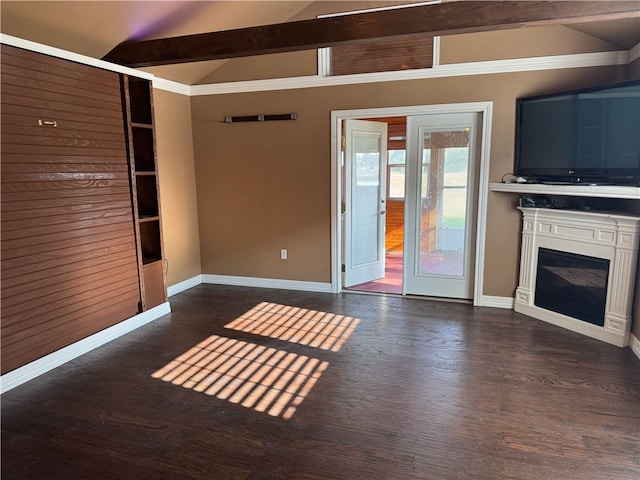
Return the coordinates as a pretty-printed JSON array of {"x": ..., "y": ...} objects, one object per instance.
[
  {"x": 607, "y": 235},
  {"x": 575, "y": 190}
]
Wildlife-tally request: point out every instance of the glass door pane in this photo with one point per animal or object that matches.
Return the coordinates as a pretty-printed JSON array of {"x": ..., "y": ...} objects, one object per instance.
[
  {"x": 366, "y": 197},
  {"x": 445, "y": 164}
]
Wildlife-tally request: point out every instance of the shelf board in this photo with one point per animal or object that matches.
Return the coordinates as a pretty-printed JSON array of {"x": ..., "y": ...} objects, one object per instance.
[
  {"x": 145, "y": 173},
  {"x": 599, "y": 191},
  {"x": 148, "y": 218},
  {"x": 146, "y": 261},
  {"x": 141, "y": 125}
]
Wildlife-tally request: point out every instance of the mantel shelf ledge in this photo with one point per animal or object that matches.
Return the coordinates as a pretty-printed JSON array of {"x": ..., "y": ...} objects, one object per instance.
[{"x": 601, "y": 191}]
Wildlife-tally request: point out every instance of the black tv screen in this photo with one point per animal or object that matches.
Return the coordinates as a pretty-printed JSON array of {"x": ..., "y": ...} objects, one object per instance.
[{"x": 583, "y": 136}]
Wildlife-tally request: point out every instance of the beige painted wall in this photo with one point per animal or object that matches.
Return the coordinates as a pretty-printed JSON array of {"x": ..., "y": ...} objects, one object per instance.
[
  {"x": 635, "y": 314},
  {"x": 634, "y": 207},
  {"x": 519, "y": 43},
  {"x": 266, "y": 186},
  {"x": 292, "y": 64},
  {"x": 263, "y": 187},
  {"x": 633, "y": 73},
  {"x": 633, "y": 70},
  {"x": 177, "y": 185},
  {"x": 472, "y": 47}
]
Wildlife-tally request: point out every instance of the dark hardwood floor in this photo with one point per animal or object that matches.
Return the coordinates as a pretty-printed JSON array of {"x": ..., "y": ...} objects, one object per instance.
[{"x": 338, "y": 387}]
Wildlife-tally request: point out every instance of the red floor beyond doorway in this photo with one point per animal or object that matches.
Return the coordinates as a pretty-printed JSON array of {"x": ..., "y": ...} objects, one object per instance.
[
  {"x": 392, "y": 281},
  {"x": 439, "y": 262}
]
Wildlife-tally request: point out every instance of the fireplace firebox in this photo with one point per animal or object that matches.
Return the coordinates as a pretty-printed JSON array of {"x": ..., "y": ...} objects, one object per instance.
[
  {"x": 571, "y": 284},
  {"x": 578, "y": 270}
]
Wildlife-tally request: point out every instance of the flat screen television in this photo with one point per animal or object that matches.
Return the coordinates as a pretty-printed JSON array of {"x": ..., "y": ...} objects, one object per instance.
[{"x": 582, "y": 136}]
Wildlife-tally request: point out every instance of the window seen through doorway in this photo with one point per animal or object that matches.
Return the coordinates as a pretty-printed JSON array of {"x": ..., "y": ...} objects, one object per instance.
[{"x": 395, "y": 176}]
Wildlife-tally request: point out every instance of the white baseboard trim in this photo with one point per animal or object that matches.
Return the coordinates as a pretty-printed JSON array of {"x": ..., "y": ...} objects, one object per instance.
[
  {"x": 184, "y": 285},
  {"x": 267, "y": 283},
  {"x": 634, "y": 345},
  {"x": 49, "y": 362},
  {"x": 496, "y": 302}
]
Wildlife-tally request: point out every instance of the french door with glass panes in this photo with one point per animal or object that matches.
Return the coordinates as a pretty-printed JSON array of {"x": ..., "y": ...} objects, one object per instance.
[
  {"x": 440, "y": 215},
  {"x": 365, "y": 174}
]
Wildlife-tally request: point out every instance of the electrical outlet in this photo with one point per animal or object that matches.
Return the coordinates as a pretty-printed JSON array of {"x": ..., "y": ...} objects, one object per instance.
[{"x": 283, "y": 254}]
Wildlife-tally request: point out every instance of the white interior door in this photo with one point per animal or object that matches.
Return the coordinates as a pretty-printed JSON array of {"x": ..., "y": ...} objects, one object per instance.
[
  {"x": 440, "y": 219},
  {"x": 365, "y": 173}
]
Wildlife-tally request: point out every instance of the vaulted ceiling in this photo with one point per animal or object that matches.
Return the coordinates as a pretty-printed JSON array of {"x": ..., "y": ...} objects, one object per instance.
[{"x": 94, "y": 28}]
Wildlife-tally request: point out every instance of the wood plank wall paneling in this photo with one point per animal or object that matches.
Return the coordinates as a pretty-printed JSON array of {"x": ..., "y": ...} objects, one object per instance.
[
  {"x": 69, "y": 266},
  {"x": 394, "y": 222},
  {"x": 394, "y": 235},
  {"x": 382, "y": 56}
]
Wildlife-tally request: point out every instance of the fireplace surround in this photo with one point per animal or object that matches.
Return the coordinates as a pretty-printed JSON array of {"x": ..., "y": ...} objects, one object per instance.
[{"x": 578, "y": 270}]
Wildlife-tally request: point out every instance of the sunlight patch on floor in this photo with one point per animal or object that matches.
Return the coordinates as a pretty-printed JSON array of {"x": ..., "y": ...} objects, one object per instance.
[
  {"x": 323, "y": 330},
  {"x": 264, "y": 379}
]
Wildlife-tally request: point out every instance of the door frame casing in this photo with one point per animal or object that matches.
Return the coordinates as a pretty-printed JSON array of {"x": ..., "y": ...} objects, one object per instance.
[{"x": 485, "y": 109}]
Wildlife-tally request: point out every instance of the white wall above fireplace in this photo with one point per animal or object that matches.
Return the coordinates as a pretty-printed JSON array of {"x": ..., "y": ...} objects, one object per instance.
[{"x": 606, "y": 235}]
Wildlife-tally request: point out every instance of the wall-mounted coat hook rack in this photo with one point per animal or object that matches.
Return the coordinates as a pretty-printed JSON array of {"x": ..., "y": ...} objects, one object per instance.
[{"x": 261, "y": 118}]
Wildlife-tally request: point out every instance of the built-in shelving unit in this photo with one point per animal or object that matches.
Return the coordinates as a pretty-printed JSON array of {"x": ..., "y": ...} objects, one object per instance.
[
  {"x": 138, "y": 103},
  {"x": 596, "y": 191}
]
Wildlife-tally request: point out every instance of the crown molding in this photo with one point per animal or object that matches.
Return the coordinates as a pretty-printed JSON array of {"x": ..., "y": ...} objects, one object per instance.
[
  {"x": 582, "y": 60},
  {"x": 171, "y": 86},
  {"x": 74, "y": 57},
  {"x": 160, "y": 83},
  {"x": 439, "y": 71}
]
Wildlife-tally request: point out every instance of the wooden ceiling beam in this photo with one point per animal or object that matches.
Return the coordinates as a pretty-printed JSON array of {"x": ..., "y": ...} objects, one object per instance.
[{"x": 446, "y": 18}]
